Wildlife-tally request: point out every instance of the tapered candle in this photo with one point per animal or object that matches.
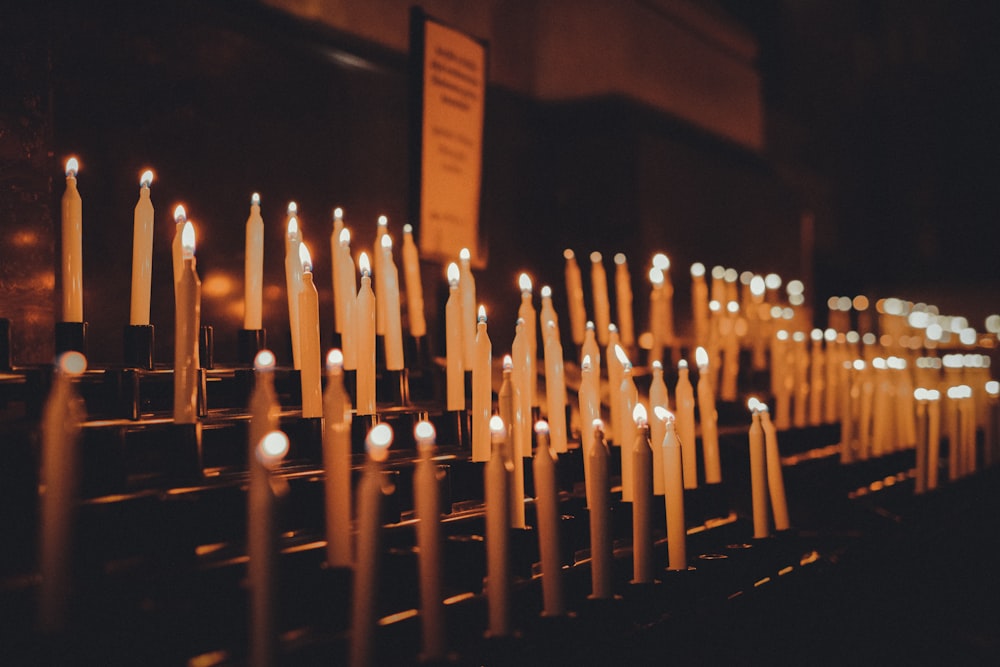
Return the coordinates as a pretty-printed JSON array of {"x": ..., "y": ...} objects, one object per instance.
[
  {"x": 264, "y": 407},
  {"x": 337, "y": 463},
  {"x": 414, "y": 285},
  {"x": 547, "y": 315},
  {"x": 699, "y": 306},
  {"x": 656, "y": 305},
  {"x": 522, "y": 377},
  {"x": 508, "y": 400},
  {"x": 72, "y": 247},
  {"x": 731, "y": 349},
  {"x": 365, "y": 327},
  {"x": 293, "y": 284},
  {"x": 599, "y": 493},
  {"x": 309, "y": 346},
  {"x": 497, "y": 473},
  {"x": 482, "y": 391},
  {"x": 62, "y": 416},
  {"x": 427, "y": 507},
  {"x": 366, "y": 580},
  {"x": 393, "y": 323},
  {"x": 817, "y": 377},
  {"x": 378, "y": 276},
  {"x": 831, "y": 386},
  {"x": 758, "y": 473},
  {"x": 657, "y": 427},
  {"x": 709, "y": 420},
  {"x": 684, "y": 395},
  {"x": 920, "y": 479},
  {"x": 253, "y": 268},
  {"x": 628, "y": 397},
  {"x": 933, "y": 438},
  {"x": 642, "y": 499},
  {"x": 782, "y": 380},
  {"x": 555, "y": 390},
  {"x": 574, "y": 297},
  {"x": 590, "y": 348},
  {"x": 526, "y": 312},
  {"x": 599, "y": 293},
  {"x": 339, "y": 297},
  {"x": 590, "y": 410},
  {"x": 187, "y": 323},
  {"x": 547, "y": 508},
  {"x": 623, "y": 301},
  {"x": 176, "y": 251},
  {"x": 614, "y": 428},
  {"x": 454, "y": 352},
  {"x": 142, "y": 253},
  {"x": 467, "y": 289},
  {"x": 673, "y": 497},
  {"x": 775, "y": 476},
  {"x": 666, "y": 326},
  {"x": 800, "y": 404},
  {"x": 349, "y": 288}
]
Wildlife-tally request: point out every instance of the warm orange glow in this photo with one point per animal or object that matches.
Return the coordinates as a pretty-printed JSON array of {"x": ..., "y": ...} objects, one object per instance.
[
  {"x": 180, "y": 215},
  {"x": 596, "y": 257},
  {"x": 217, "y": 284},
  {"x": 568, "y": 254},
  {"x": 293, "y": 228},
  {"x": 860, "y": 302}
]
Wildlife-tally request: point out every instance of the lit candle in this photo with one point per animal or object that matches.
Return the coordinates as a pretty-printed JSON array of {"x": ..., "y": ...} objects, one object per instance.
[
  {"x": 414, "y": 286},
  {"x": 453, "y": 342},
  {"x": 482, "y": 391},
  {"x": 496, "y": 475},
  {"x": 699, "y": 306},
  {"x": 920, "y": 479},
  {"x": 666, "y": 324},
  {"x": 628, "y": 397},
  {"x": 775, "y": 477},
  {"x": 349, "y": 288},
  {"x": 684, "y": 395},
  {"x": 72, "y": 247},
  {"x": 337, "y": 463},
  {"x": 623, "y": 300},
  {"x": 709, "y": 420},
  {"x": 673, "y": 498},
  {"x": 61, "y": 419},
  {"x": 390, "y": 294},
  {"x": 547, "y": 508},
  {"x": 933, "y": 438},
  {"x": 522, "y": 377},
  {"x": 657, "y": 427},
  {"x": 656, "y": 305},
  {"x": 548, "y": 315},
  {"x": 758, "y": 473},
  {"x": 642, "y": 500},
  {"x": 427, "y": 508},
  {"x": 782, "y": 380},
  {"x": 467, "y": 290},
  {"x": 309, "y": 348},
  {"x": 590, "y": 410},
  {"x": 293, "y": 283},
  {"x": 378, "y": 275},
  {"x": 142, "y": 253},
  {"x": 614, "y": 427},
  {"x": 264, "y": 408},
  {"x": 508, "y": 403},
  {"x": 800, "y": 405},
  {"x": 526, "y": 312},
  {"x": 335, "y": 258},
  {"x": 364, "y": 324},
  {"x": 832, "y": 367},
  {"x": 187, "y": 325},
  {"x": 599, "y": 289},
  {"x": 880, "y": 441},
  {"x": 176, "y": 251},
  {"x": 253, "y": 268},
  {"x": 817, "y": 374},
  {"x": 365, "y": 594},
  {"x": 591, "y": 349},
  {"x": 731, "y": 350},
  {"x": 574, "y": 297},
  {"x": 599, "y": 493},
  {"x": 555, "y": 390}
]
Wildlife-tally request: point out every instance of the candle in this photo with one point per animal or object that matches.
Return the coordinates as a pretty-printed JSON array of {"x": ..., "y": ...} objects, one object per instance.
[
  {"x": 414, "y": 286},
  {"x": 599, "y": 487},
  {"x": 800, "y": 406},
  {"x": 427, "y": 508},
  {"x": 142, "y": 253},
  {"x": 673, "y": 497},
  {"x": 263, "y": 401},
  {"x": 623, "y": 300},
  {"x": 781, "y": 380},
  {"x": 337, "y": 463},
  {"x": 378, "y": 275},
  {"x": 390, "y": 294},
  {"x": 591, "y": 349},
  {"x": 526, "y": 312},
  {"x": 548, "y": 316},
  {"x": 482, "y": 391},
  {"x": 522, "y": 377},
  {"x": 590, "y": 410},
  {"x": 817, "y": 365},
  {"x": 253, "y": 268},
  {"x": 920, "y": 479},
  {"x": 364, "y": 324},
  {"x": 642, "y": 500},
  {"x": 666, "y": 323},
  {"x": 547, "y": 508},
  {"x": 775, "y": 477},
  {"x": 758, "y": 473},
  {"x": 555, "y": 390},
  {"x": 628, "y": 397},
  {"x": 61, "y": 419},
  {"x": 467, "y": 290},
  {"x": 731, "y": 349},
  {"x": 709, "y": 420},
  {"x": 349, "y": 288},
  {"x": 72, "y": 246},
  {"x": 832, "y": 367},
  {"x": 599, "y": 289},
  {"x": 933, "y": 438},
  {"x": 656, "y": 305},
  {"x": 684, "y": 395},
  {"x": 453, "y": 342},
  {"x": 186, "y": 327},
  {"x": 699, "y": 307},
  {"x": 261, "y": 544},
  {"x": 508, "y": 401},
  {"x": 614, "y": 427},
  {"x": 365, "y": 594},
  {"x": 293, "y": 283},
  {"x": 176, "y": 251},
  {"x": 657, "y": 427},
  {"x": 880, "y": 441},
  {"x": 496, "y": 475},
  {"x": 309, "y": 348},
  {"x": 339, "y": 297},
  {"x": 574, "y": 297}
]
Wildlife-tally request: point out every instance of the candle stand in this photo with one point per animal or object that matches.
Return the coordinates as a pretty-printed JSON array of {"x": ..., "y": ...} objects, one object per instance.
[
  {"x": 248, "y": 343},
  {"x": 71, "y": 336},
  {"x": 138, "y": 346}
]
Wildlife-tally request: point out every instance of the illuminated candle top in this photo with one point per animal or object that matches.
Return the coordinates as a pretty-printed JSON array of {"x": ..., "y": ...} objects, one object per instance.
[
  {"x": 656, "y": 276},
  {"x": 701, "y": 358},
  {"x": 508, "y": 362},
  {"x": 334, "y": 360},
  {"x": 378, "y": 441},
  {"x": 364, "y": 264},
  {"x": 663, "y": 414},
  {"x": 497, "y": 427},
  {"x": 639, "y": 415},
  {"x": 757, "y": 286},
  {"x": 453, "y": 273},
  {"x": 293, "y": 208},
  {"x": 264, "y": 361},
  {"x": 305, "y": 258},
  {"x": 272, "y": 449},
  {"x": 255, "y": 199},
  {"x": 180, "y": 215},
  {"x": 72, "y": 363},
  {"x": 146, "y": 179},
  {"x": 293, "y": 229},
  {"x": 524, "y": 282},
  {"x": 622, "y": 357},
  {"x": 661, "y": 262},
  {"x": 697, "y": 270},
  {"x": 546, "y": 292},
  {"x": 345, "y": 237},
  {"x": 72, "y": 166},
  {"x": 386, "y": 242},
  {"x": 481, "y": 316},
  {"x": 586, "y": 363},
  {"x": 187, "y": 240},
  {"x": 753, "y": 404},
  {"x": 425, "y": 435}
]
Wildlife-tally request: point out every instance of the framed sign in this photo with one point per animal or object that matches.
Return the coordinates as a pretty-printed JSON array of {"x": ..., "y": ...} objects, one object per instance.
[{"x": 448, "y": 92}]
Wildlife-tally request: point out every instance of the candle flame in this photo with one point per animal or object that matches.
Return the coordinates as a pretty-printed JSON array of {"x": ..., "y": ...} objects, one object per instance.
[
  {"x": 424, "y": 434},
  {"x": 757, "y": 286},
  {"x": 663, "y": 414},
  {"x": 992, "y": 388},
  {"x": 661, "y": 261},
  {"x": 293, "y": 228},
  {"x": 920, "y": 394},
  {"x": 383, "y": 221},
  {"x": 72, "y": 166},
  {"x": 753, "y": 404},
  {"x": 407, "y": 228},
  {"x": 620, "y": 259},
  {"x": 264, "y": 361},
  {"x": 338, "y": 213},
  {"x": 187, "y": 239},
  {"x": 657, "y": 365},
  {"x": 464, "y": 255},
  {"x": 378, "y": 441},
  {"x": 542, "y": 427},
  {"x": 586, "y": 364},
  {"x": 481, "y": 314},
  {"x": 879, "y": 363},
  {"x": 334, "y": 360},
  {"x": 180, "y": 215},
  {"x": 718, "y": 272},
  {"x": 795, "y": 287},
  {"x": 508, "y": 362},
  {"x": 305, "y": 258},
  {"x": 656, "y": 276},
  {"x": 453, "y": 274},
  {"x": 714, "y": 306},
  {"x": 146, "y": 179},
  {"x": 590, "y": 326},
  {"x": 364, "y": 264},
  {"x": 933, "y": 395},
  {"x": 859, "y": 364},
  {"x": 682, "y": 365},
  {"x": 524, "y": 282},
  {"x": 598, "y": 425},
  {"x": 255, "y": 199},
  {"x": 345, "y": 237},
  {"x": 733, "y": 307},
  {"x": 701, "y": 358},
  {"x": 568, "y": 254},
  {"x": 830, "y": 335},
  {"x": 799, "y": 336},
  {"x": 72, "y": 363},
  {"x": 497, "y": 426},
  {"x": 622, "y": 357},
  {"x": 731, "y": 275},
  {"x": 272, "y": 448},
  {"x": 386, "y": 242},
  {"x": 746, "y": 277},
  {"x": 697, "y": 270},
  {"x": 639, "y": 415},
  {"x": 772, "y": 281},
  {"x": 596, "y": 257},
  {"x": 292, "y": 208},
  {"x": 612, "y": 328}
]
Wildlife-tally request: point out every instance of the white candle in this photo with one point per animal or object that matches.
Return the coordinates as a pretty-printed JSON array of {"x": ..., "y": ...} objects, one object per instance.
[
  {"x": 187, "y": 322},
  {"x": 614, "y": 427},
  {"x": 61, "y": 419},
  {"x": 364, "y": 324},
  {"x": 253, "y": 268},
  {"x": 699, "y": 306},
  {"x": 337, "y": 463},
  {"x": 592, "y": 350},
  {"x": 684, "y": 395},
  {"x": 628, "y": 397},
  {"x": 657, "y": 427},
  {"x": 508, "y": 402},
  {"x": 522, "y": 377},
  {"x": 775, "y": 477},
  {"x": 176, "y": 251},
  {"x": 709, "y": 420},
  {"x": 817, "y": 376},
  {"x": 599, "y": 290},
  {"x": 547, "y": 508},
  {"x": 599, "y": 487},
  {"x": 933, "y": 438},
  {"x": 293, "y": 283},
  {"x": 526, "y": 312},
  {"x": 574, "y": 297},
  {"x": 349, "y": 288},
  {"x": 467, "y": 289},
  {"x": 390, "y": 294},
  {"x": 335, "y": 258},
  {"x": 666, "y": 326},
  {"x": 142, "y": 253},
  {"x": 427, "y": 508},
  {"x": 642, "y": 500},
  {"x": 731, "y": 349},
  {"x": 623, "y": 301},
  {"x": 673, "y": 498},
  {"x": 548, "y": 315},
  {"x": 482, "y": 391},
  {"x": 758, "y": 473},
  {"x": 453, "y": 342},
  {"x": 800, "y": 407},
  {"x": 555, "y": 390},
  {"x": 920, "y": 477},
  {"x": 72, "y": 247},
  {"x": 656, "y": 305},
  {"x": 496, "y": 474},
  {"x": 590, "y": 410},
  {"x": 309, "y": 347},
  {"x": 781, "y": 380},
  {"x": 378, "y": 275},
  {"x": 414, "y": 285}
]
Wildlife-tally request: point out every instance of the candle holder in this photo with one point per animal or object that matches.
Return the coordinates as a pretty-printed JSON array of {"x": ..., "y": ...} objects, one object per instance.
[
  {"x": 393, "y": 387},
  {"x": 379, "y": 351},
  {"x": 454, "y": 427},
  {"x": 307, "y": 441},
  {"x": 416, "y": 351},
  {"x": 183, "y": 442},
  {"x": 5, "y": 360},
  {"x": 248, "y": 343},
  {"x": 206, "y": 346},
  {"x": 138, "y": 346},
  {"x": 71, "y": 336}
]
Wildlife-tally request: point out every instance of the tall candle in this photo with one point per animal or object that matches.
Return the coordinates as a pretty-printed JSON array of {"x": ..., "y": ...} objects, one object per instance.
[
  {"x": 142, "y": 253},
  {"x": 378, "y": 275},
  {"x": 293, "y": 284},
  {"x": 526, "y": 312},
  {"x": 349, "y": 288},
  {"x": 176, "y": 251},
  {"x": 522, "y": 377},
  {"x": 591, "y": 349},
  {"x": 61, "y": 419},
  {"x": 337, "y": 463},
  {"x": 574, "y": 297},
  {"x": 599, "y": 494},
  {"x": 800, "y": 406},
  {"x": 264, "y": 412},
  {"x": 656, "y": 305},
  {"x": 467, "y": 289},
  {"x": 832, "y": 368},
  {"x": 666, "y": 323},
  {"x": 555, "y": 390},
  {"x": 427, "y": 508},
  {"x": 508, "y": 403},
  {"x": 657, "y": 427},
  {"x": 709, "y": 420},
  {"x": 628, "y": 397},
  {"x": 253, "y": 268},
  {"x": 699, "y": 307},
  {"x": 817, "y": 377},
  {"x": 72, "y": 247},
  {"x": 673, "y": 497},
  {"x": 758, "y": 473},
  {"x": 623, "y": 301},
  {"x": 731, "y": 350},
  {"x": 933, "y": 438},
  {"x": 920, "y": 479},
  {"x": 366, "y": 580},
  {"x": 364, "y": 324},
  {"x": 547, "y": 508},
  {"x": 339, "y": 296},
  {"x": 309, "y": 347},
  {"x": 453, "y": 342},
  {"x": 414, "y": 285},
  {"x": 497, "y": 473},
  {"x": 390, "y": 294},
  {"x": 590, "y": 410},
  {"x": 684, "y": 395},
  {"x": 548, "y": 315},
  {"x": 782, "y": 380},
  {"x": 614, "y": 427},
  {"x": 642, "y": 500},
  {"x": 187, "y": 323},
  {"x": 775, "y": 477},
  {"x": 482, "y": 391},
  {"x": 599, "y": 293}
]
